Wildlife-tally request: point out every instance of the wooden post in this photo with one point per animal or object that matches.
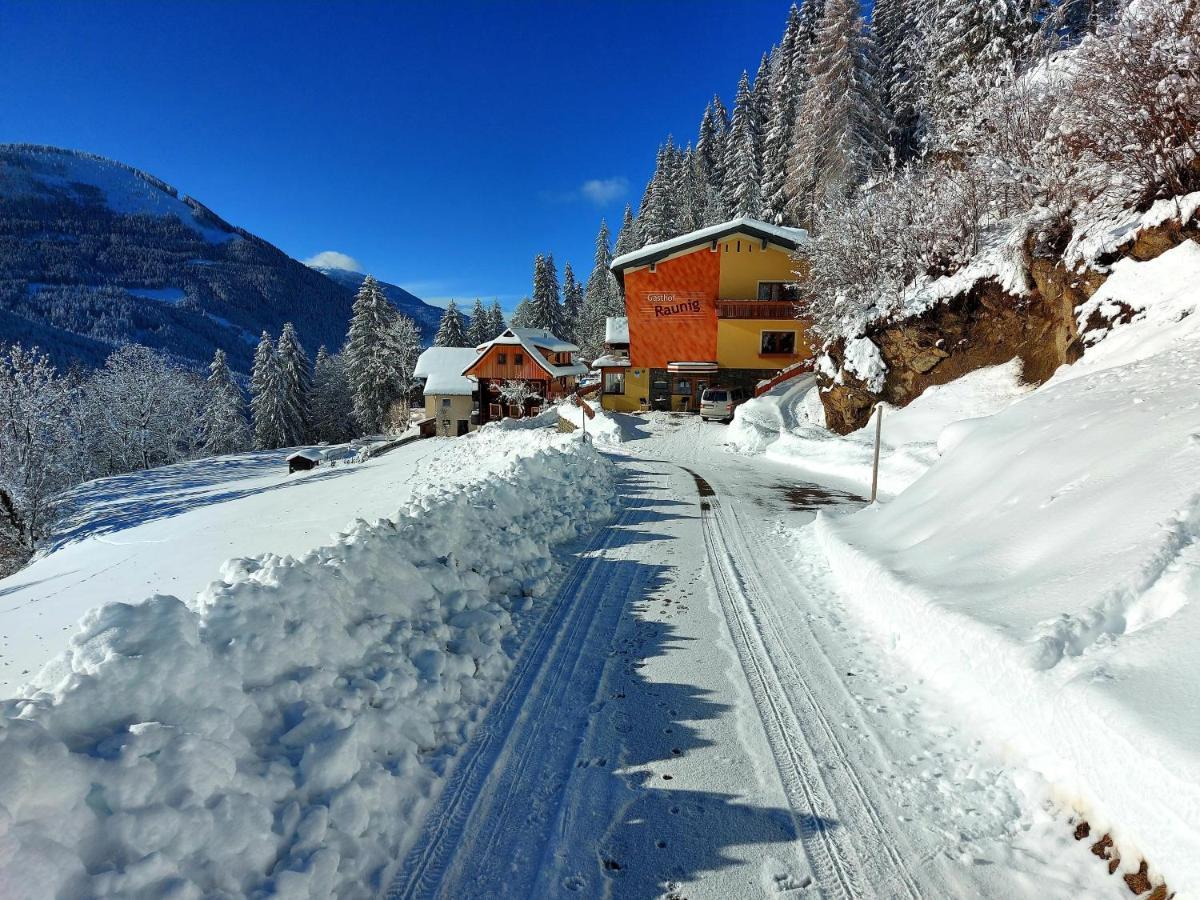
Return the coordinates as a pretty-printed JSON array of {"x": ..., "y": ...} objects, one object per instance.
[{"x": 875, "y": 465}]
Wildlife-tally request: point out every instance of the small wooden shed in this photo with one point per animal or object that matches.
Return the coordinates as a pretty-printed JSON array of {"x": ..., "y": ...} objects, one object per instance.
[{"x": 303, "y": 460}]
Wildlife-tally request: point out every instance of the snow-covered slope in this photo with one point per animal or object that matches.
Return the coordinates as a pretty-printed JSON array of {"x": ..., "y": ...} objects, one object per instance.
[
  {"x": 94, "y": 253},
  {"x": 1046, "y": 571},
  {"x": 282, "y": 732}
]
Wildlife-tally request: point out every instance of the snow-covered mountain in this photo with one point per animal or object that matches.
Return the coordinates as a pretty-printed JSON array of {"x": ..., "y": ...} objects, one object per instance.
[
  {"x": 94, "y": 253},
  {"x": 425, "y": 315}
]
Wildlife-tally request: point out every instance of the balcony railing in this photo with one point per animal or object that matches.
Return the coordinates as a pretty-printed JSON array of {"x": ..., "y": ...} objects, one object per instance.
[{"x": 756, "y": 309}]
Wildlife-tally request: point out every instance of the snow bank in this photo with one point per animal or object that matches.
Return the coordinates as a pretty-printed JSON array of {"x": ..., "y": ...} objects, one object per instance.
[
  {"x": 787, "y": 425},
  {"x": 602, "y": 428},
  {"x": 1045, "y": 571},
  {"x": 284, "y": 733}
]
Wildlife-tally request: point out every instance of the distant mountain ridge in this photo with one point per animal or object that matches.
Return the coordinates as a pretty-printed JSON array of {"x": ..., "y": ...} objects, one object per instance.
[
  {"x": 95, "y": 253},
  {"x": 425, "y": 315}
]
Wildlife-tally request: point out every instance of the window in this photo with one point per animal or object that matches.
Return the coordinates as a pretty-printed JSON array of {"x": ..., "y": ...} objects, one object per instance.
[
  {"x": 778, "y": 343},
  {"x": 614, "y": 382},
  {"x": 682, "y": 386},
  {"x": 445, "y": 403},
  {"x": 777, "y": 290},
  {"x": 502, "y": 359},
  {"x": 518, "y": 359}
]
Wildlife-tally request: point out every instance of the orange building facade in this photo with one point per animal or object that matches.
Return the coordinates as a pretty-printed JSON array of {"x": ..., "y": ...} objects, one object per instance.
[{"x": 716, "y": 307}]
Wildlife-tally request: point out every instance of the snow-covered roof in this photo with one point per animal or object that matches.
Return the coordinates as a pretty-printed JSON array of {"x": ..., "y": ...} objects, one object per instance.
[
  {"x": 611, "y": 362},
  {"x": 616, "y": 330},
  {"x": 310, "y": 453},
  {"x": 538, "y": 336},
  {"x": 442, "y": 369},
  {"x": 788, "y": 238},
  {"x": 533, "y": 341}
]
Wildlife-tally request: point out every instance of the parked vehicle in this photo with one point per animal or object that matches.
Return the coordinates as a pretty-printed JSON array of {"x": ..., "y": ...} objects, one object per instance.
[{"x": 720, "y": 402}]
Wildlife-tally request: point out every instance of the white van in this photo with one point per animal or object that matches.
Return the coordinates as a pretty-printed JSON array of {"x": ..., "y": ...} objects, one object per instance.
[{"x": 720, "y": 402}]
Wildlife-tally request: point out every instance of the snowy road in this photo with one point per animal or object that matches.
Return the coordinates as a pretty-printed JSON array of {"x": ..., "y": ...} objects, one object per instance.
[{"x": 696, "y": 718}]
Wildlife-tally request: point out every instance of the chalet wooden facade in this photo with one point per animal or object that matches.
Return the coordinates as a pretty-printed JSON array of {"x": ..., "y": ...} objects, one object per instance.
[{"x": 518, "y": 373}]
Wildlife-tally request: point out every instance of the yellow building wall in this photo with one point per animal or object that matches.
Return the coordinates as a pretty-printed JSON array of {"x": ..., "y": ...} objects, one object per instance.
[
  {"x": 460, "y": 408},
  {"x": 744, "y": 263},
  {"x": 637, "y": 387},
  {"x": 739, "y": 340}
]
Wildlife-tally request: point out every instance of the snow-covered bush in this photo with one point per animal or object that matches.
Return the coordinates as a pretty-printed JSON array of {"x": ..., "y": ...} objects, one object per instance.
[
  {"x": 39, "y": 454},
  {"x": 282, "y": 733}
]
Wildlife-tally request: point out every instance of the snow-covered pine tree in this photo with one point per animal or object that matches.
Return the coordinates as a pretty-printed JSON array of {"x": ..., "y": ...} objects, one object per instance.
[
  {"x": 332, "y": 409},
  {"x": 480, "y": 329},
  {"x": 267, "y": 401},
  {"x": 522, "y": 316},
  {"x": 627, "y": 235},
  {"x": 657, "y": 216},
  {"x": 974, "y": 46},
  {"x": 545, "y": 307},
  {"x": 743, "y": 161},
  {"x": 720, "y": 120},
  {"x": 572, "y": 304},
  {"x": 708, "y": 150},
  {"x": 692, "y": 191},
  {"x": 296, "y": 372},
  {"x": 898, "y": 30},
  {"x": 761, "y": 90},
  {"x": 839, "y": 137},
  {"x": 223, "y": 427},
  {"x": 405, "y": 339},
  {"x": 601, "y": 298},
  {"x": 450, "y": 329},
  {"x": 786, "y": 81},
  {"x": 370, "y": 357},
  {"x": 496, "y": 323}
]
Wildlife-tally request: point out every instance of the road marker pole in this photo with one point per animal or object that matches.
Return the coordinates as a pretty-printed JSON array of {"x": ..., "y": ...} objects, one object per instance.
[{"x": 875, "y": 465}]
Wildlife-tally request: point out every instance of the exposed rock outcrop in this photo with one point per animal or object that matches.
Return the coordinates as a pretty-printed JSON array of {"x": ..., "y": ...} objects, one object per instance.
[{"x": 986, "y": 326}]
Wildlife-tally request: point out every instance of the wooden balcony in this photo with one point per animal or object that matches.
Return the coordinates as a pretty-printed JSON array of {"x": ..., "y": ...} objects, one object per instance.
[{"x": 756, "y": 309}]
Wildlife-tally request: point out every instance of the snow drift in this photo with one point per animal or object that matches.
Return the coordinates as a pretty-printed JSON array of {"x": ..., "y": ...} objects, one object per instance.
[
  {"x": 787, "y": 425},
  {"x": 1045, "y": 571},
  {"x": 285, "y": 731}
]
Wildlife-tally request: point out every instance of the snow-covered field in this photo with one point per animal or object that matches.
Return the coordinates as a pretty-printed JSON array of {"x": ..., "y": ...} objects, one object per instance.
[
  {"x": 1044, "y": 573},
  {"x": 283, "y": 730},
  {"x": 168, "y": 530}
]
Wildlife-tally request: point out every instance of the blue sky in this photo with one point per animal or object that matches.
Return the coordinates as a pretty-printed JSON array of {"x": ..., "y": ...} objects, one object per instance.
[{"x": 440, "y": 145}]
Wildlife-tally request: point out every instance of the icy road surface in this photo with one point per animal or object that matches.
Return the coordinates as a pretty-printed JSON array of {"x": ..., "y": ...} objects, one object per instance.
[{"x": 697, "y": 718}]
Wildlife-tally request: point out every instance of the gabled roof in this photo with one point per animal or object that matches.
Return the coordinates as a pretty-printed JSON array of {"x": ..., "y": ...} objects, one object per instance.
[
  {"x": 442, "y": 367},
  {"x": 533, "y": 341},
  {"x": 779, "y": 235}
]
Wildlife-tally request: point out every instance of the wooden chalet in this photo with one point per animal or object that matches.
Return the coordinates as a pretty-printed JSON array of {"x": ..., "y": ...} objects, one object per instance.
[{"x": 543, "y": 362}]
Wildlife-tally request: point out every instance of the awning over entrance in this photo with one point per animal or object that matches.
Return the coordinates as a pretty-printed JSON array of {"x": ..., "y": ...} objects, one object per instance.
[{"x": 692, "y": 368}]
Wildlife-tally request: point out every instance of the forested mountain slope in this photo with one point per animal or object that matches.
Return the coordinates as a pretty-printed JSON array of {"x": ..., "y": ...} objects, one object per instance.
[{"x": 94, "y": 253}]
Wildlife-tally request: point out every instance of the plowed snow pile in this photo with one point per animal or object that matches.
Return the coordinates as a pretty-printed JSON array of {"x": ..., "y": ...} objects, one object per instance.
[
  {"x": 282, "y": 732},
  {"x": 788, "y": 425},
  {"x": 1045, "y": 572}
]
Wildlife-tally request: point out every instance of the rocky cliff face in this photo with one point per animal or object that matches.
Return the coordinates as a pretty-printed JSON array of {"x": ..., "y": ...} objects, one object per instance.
[{"x": 986, "y": 326}]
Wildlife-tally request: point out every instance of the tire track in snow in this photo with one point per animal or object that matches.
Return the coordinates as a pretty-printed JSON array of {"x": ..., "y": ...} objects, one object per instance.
[
  {"x": 475, "y": 812},
  {"x": 797, "y": 730}
]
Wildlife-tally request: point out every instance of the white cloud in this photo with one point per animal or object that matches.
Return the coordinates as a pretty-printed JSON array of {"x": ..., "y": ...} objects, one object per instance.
[
  {"x": 604, "y": 190},
  {"x": 331, "y": 259}
]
